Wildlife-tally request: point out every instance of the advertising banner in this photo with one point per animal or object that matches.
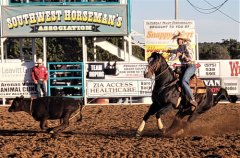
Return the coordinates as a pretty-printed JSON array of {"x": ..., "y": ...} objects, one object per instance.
[
  {"x": 16, "y": 89},
  {"x": 208, "y": 68},
  {"x": 219, "y": 68},
  {"x": 213, "y": 83},
  {"x": 118, "y": 88},
  {"x": 116, "y": 70},
  {"x": 61, "y": 21},
  {"x": 16, "y": 79},
  {"x": 231, "y": 85},
  {"x": 161, "y": 35},
  {"x": 19, "y": 71},
  {"x": 230, "y": 68}
]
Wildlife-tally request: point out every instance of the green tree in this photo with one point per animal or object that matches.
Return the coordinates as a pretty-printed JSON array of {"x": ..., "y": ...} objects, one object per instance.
[{"x": 233, "y": 48}]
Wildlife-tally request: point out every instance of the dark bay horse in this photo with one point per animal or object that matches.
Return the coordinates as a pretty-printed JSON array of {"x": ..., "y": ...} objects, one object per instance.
[{"x": 165, "y": 96}]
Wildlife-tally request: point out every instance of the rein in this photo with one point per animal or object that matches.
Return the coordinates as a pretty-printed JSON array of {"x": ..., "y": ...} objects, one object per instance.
[{"x": 163, "y": 72}]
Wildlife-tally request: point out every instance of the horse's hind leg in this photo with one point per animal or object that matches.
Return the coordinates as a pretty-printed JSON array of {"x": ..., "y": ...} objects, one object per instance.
[{"x": 177, "y": 126}]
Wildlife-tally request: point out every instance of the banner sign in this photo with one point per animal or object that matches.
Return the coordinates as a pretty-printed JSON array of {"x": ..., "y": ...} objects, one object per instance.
[
  {"x": 95, "y": 71},
  {"x": 59, "y": 21},
  {"x": 213, "y": 83},
  {"x": 119, "y": 88},
  {"x": 219, "y": 68},
  {"x": 162, "y": 31},
  {"x": 16, "y": 89},
  {"x": 209, "y": 68},
  {"x": 230, "y": 68},
  {"x": 161, "y": 35},
  {"x": 118, "y": 70},
  {"x": 16, "y": 79},
  {"x": 231, "y": 85},
  {"x": 19, "y": 71}
]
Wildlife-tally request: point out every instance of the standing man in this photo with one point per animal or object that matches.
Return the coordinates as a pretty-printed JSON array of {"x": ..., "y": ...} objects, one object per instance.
[{"x": 40, "y": 77}]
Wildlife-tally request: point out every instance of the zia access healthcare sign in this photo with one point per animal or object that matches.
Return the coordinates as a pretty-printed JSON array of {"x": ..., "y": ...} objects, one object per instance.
[{"x": 57, "y": 21}]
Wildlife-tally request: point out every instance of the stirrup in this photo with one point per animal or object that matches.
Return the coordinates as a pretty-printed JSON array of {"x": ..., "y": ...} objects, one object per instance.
[{"x": 194, "y": 104}]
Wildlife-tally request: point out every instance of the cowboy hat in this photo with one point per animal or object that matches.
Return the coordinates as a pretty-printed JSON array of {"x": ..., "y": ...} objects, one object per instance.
[{"x": 182, "y": 36}]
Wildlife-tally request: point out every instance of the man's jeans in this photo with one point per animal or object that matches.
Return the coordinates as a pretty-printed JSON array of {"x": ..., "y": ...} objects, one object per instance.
[
  {"x": 190, "y": 71},
  {"x": 40, "y": 86}
]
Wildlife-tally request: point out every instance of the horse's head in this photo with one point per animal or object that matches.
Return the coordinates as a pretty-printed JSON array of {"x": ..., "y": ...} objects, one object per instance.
[{"x": 154, "y": 62}]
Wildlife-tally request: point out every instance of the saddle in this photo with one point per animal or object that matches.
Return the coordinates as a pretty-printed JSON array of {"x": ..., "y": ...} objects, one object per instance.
[{"x": 197, "y": 85}]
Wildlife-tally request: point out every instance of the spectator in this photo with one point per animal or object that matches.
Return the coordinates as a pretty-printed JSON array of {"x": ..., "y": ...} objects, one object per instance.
[{"x": 40, "y": 77}]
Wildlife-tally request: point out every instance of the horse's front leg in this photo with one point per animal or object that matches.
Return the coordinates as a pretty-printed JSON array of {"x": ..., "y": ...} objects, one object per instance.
[
  {"x": 162, "y": 111},
  {"x": 159, "y": 122},
  {"x": 151, "y": 111}
]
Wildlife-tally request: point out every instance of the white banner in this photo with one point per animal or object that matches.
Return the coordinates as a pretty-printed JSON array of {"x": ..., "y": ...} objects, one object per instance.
[
  {"x": 16, "y": 71},
  {"x": 230, "y": 68},
  {"x": 162, "y": 31},
  {"x": 219, "y": 68},
  {"x": 120, "y": 69},
  {"x": 16, "y": 89},
  {"x": 231, "y": 85},
  {"x": 111, "y": 88},
  {"x": 208, "y": 68}
]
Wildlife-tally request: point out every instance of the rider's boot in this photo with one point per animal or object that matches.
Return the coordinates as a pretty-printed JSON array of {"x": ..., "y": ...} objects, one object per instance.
[{"x": 194, "y": 104}]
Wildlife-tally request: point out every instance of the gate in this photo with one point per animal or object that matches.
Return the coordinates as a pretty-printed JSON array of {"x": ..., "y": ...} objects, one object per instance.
[{"x": 66, "y": 79}]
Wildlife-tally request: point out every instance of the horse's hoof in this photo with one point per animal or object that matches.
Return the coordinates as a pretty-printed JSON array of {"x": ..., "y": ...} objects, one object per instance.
[
  {"x": 51, "y": 132},
  {"x": 180, "y": 132},
  {"x": 162, "y": 131},
  {"x": 54, "y": 136},
  {"x": 138, "y": 134},
  {"x": 175, "y": 134}
]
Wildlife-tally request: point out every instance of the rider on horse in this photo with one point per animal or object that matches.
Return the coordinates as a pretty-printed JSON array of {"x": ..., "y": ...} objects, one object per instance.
[{"x": 185, "y": 58}]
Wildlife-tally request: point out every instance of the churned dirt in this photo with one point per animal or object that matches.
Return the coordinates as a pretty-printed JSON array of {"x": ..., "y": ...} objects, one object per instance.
[{"x": 108, "y": 131}]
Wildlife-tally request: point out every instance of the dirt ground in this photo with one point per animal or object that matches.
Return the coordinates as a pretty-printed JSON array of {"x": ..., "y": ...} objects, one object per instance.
[{"x": 109, "y": 132}]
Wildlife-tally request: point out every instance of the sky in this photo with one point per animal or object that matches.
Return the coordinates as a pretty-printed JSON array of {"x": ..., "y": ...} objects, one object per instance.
[{"x": 213, "y": 27}]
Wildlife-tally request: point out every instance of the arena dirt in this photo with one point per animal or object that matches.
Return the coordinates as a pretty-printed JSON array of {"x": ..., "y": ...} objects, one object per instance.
[{"x": 109, "y": 132}]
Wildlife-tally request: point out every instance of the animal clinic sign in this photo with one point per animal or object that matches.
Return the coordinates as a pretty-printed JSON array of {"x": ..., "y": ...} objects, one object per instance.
[{"x": 54, "y": 21}]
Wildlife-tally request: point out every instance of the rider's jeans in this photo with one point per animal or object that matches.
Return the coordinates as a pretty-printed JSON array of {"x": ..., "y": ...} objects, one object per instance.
[{"x": 190, "y": 71}]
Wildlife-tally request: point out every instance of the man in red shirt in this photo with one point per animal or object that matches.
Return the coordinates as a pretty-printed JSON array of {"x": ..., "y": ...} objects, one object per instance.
[{"x": 40, "y": 77}]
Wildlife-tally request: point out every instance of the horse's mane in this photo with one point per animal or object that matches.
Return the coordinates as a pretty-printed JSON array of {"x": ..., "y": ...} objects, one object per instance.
[{"x": 159, "y": 56}]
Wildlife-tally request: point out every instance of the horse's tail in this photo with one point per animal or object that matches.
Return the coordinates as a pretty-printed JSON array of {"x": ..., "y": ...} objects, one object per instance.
[{"x": 223, "y": 93}]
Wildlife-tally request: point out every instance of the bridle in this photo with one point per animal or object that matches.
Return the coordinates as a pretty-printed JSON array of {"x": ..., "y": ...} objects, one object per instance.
[
  {"x": 160, "y": 74},
  {"x": 173, "y": 82},
  {"x": 163, "y": 72}
]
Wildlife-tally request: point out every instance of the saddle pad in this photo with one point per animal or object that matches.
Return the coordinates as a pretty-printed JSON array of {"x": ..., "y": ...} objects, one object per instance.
[
  {"x": 197, "y": 85},
  {"x": 198, "y": 90}
]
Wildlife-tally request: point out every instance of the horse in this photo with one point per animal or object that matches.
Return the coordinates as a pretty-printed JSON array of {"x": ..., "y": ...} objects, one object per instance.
[{"x": 166, "y": 96}]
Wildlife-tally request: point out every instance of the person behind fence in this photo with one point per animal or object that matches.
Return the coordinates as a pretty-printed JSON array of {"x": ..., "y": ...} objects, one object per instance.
[
  {"x": 40, "y": 77},
  {"x": 185, "y": 57}
]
